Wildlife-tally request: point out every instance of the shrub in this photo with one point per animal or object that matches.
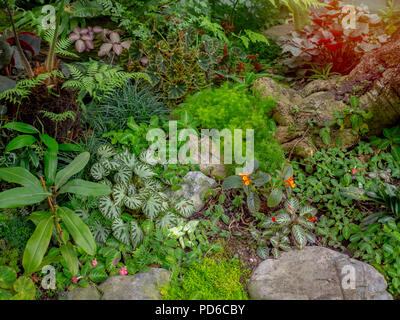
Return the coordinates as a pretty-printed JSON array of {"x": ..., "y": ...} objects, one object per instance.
[
  {"x": 236, "y": 108},
  {"x": 327, "y": 41},
  {"x": 214, "y": 278}
]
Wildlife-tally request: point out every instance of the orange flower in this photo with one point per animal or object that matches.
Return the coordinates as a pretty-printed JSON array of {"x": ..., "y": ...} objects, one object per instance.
[
  {"x": 312, "y": 220},
  {"x": 290, "y": 182},
  {"x": 246, "y": 179}
]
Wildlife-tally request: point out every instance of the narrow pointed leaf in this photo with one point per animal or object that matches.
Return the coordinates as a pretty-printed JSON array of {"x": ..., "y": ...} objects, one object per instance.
[
  {"x": 74, "y": 167},
  {"x": 19, "y": 175},
  {"x": 22, "y": 196},
  {"x": 85, "y": 188}
]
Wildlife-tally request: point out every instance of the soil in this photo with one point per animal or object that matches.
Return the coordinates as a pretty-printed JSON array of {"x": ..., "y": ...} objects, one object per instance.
[{"x": 58, "y": 101}]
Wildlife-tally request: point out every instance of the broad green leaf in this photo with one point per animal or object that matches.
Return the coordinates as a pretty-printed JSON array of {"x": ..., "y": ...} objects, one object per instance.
[
  {"x": 50, "y": 142},
  {"x": 5, "y": 295},
  {"x": 85, "y": 188},
  {"x": 20, "y": 142},
  {"x": 70, "y": 147},
  {"x": 70, "y": 258},
  {"x": 253, "y": 202},
  {"x": 275, "y": 198},
  {"x": 50, "y": 165},
  {"x": 74, "y": 167},
  {"x": 19, "y": 175},
  {"x": 346, "y": 232},
  {"x": 7, "y": 277},
  {"x": 25, "y": 289},
  {"x": 79, "y": 231},
  {"x": 37, "y": 245},
  {"x": 21, "y": 127},
  {"x": 261, "y": 178},
  {"x": 232, "y": 182},
  {"x": 23, "y": 196},
  {"x": 98, "y": 274},
  {"x": 38, "y": 216},
  {"x": 263, "y": 252}
]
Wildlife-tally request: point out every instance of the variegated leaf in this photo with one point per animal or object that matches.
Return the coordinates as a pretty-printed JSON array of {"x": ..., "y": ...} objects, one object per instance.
[
  {"x": 299, "y": 236},
  {"x": 283, "y": 219},
  {"x": 134, "y": 202},
  {"x": 185, "y": 208},
  {"x": 306, "y": 224},
  {"x": 119, "y": 192},
  {"x": 123, "y": 176},
  {"x": 285, "y": 247},
  {"x": 310, "y": 236},
  {"x": 308, "y": 211},
  {"x": 106, "y": 151},
  {"x": 106, "y": 182},
  {"x": 128, "y": 159},
  {"x": 143, "y": 171},
  {"x": 292, "y": 205},
  {"x": 152, "y": 206},
  {"x": 98, "y": 172},
  {"x": 148, "y": 157},
  {"x": 275, "y": 252},
  {"x": 121, "y": 231},
  {"x": 108, "y": 208},
  {"x": 131, "y": 190},
  {"x": 137, "y": 234},
  {"x": 263, "y": 252},
  {"x": 168, "y": 220}
]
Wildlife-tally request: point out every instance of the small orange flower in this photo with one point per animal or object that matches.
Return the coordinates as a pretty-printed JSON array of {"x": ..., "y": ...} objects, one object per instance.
[
  {"x": 246, "y": 179},
  {"x": 290, "y": 182},
  {"x": 274, "y": 219},
  {"x": 312, "y": 220}
]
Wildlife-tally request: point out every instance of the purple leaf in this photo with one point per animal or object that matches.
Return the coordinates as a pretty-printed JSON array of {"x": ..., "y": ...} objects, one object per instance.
[
  {"x": 84, "y": 30},
  {"x": 126, "y": 44},
  {"x": 105, "y": 48},
  {"x": 89, "y": 44},
  {"x": 80, "y": 46},
  {"x": 114, "y": 37},
  {"x": 76, "y": 30},
  {"x": 74, "y": 36},
  {"x": 117, "y": 49},
  {"x": 97, "y": 29}
]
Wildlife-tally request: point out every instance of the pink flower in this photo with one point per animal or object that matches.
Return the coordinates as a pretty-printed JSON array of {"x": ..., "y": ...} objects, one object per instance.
[
  {"x": 354, "y": 170},
  {"x": 74, "y": 279},
  {"x": 123, "y": 271},
  {"x": 94, "y": 262}
]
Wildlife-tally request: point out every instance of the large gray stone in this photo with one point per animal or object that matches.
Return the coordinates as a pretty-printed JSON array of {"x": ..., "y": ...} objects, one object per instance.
[
  {"x": 6, "y": 84},
  {"x": 316, "y": 273},
  {"x": 88, "y": 293},
  {"x": 141, "y": 286},
  {"x": 194, "y": 188}
]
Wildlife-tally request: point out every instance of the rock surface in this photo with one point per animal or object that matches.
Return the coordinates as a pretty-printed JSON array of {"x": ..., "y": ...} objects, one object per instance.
[
  {"x": 141, "y": 286},
  {"x": 316, "y": 273},
  {"x": 194, "y": 188},
  {"x": 88, "y": 293}
]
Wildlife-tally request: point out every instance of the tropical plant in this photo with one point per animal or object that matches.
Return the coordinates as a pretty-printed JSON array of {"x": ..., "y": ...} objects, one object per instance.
[
  {"x": 255, "y": 184},
  {"x": 329, "y": 39},
  {"x": 15, "y": 288},
  {"x": 135, "y": 190},
  {"x": 295, "y": 221},
  {"x": 63, "y": 220},
  {"x": 97, "y": 80},
  {"x": 391, "y": 139}
]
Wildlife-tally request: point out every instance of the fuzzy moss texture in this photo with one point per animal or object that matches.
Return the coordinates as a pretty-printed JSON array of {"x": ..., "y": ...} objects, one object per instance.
[{"x": 214, "y": 278}]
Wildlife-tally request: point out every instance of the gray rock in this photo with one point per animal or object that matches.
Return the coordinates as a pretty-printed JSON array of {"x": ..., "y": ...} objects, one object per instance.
[
  {"x": 194, "y": 188},
  {"x": 141, "y": 286},
  {"x": 316, "y": 273},
  {"x": 88, "y": 293},
  {"x": 6, "y": 84}
]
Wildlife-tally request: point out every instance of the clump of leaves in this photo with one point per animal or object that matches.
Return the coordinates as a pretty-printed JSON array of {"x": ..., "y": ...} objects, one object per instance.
[
  {"x": 15, "y": 288},
  {"x": 332, "y": 39},
  {"x": 135, "y": 191},
  {"x": 293, "y": 221}
]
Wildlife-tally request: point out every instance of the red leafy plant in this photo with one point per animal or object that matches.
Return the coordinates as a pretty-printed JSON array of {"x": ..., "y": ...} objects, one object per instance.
[
  {"x": 331, "y": 40},
  {"x": 113, "y": 43}
]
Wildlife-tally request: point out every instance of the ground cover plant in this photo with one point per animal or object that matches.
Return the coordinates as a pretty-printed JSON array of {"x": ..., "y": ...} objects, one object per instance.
[{"x": 100, "y": 101}]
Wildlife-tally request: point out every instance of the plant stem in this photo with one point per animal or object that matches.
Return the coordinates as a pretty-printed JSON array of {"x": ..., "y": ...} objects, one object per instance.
[
  {"x": 51, "y": 57},
  {"x": 25, "y": 61},
  {"x": 53, "y": 211}
]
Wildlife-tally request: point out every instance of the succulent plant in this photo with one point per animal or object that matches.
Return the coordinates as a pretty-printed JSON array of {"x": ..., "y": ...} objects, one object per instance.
[{"x": 113, "y": 43}]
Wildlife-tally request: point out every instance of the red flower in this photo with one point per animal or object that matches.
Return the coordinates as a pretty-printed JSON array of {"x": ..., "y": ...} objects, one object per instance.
[
  {"x": 240, "y": 67},
  {"x": 337, "y": 32},
  {"x": 290, "y": 208},
  {"x": 253, "y": 56},
  {"x": 334, "y": 46},
  {"x": 201, "y": 31},
  {"x": 312, "y": 220},
  {"x": 257, "y": 66},
  {"x": 320, "y": 41},
  {"x": 274, "y": 219}
]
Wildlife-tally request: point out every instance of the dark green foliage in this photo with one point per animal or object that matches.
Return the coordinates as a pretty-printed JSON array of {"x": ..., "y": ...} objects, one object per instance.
[
  {"x": 129, "y": 101},
  {"x": 16, "y": 230},
  {"x": 214, "y": 278}
]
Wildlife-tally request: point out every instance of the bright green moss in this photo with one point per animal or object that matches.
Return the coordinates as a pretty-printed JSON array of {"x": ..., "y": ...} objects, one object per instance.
[
  {"x": 236, "y": 108},
  {"x": 213, "y": 278}
]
